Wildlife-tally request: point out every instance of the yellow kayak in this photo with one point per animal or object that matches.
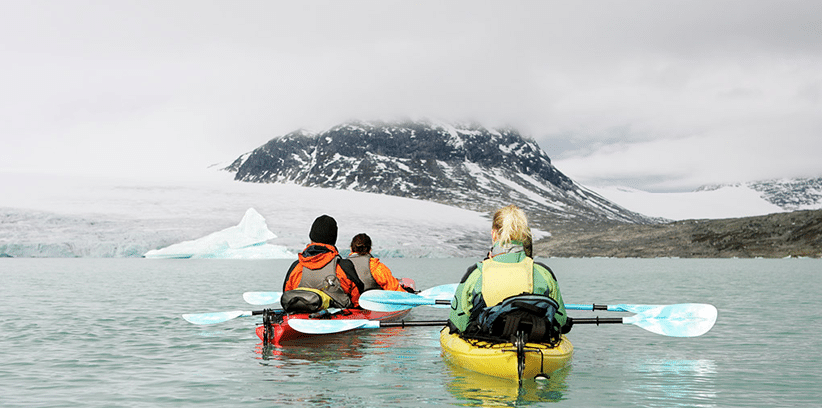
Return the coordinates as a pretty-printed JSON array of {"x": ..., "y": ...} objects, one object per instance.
[{"x": 500, "y": 359}]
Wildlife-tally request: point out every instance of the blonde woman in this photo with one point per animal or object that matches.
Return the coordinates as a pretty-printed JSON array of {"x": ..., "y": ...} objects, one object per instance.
[{"x": 507, "y": 271}]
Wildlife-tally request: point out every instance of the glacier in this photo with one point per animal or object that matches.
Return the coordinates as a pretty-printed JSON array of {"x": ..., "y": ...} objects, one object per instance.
[
  {"x": 247, "y": 240},
  {"x": 66, "y": 217},
  {"x": 59, "y": 216}
]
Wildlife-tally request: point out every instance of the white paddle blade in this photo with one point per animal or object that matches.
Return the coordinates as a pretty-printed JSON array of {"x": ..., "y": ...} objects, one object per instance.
[
  {"x": 311, "y": 326},
  {"x": 681, "y": 320},
  {"x": 262, "y": 298},
  {"x": 215, "y": 317}
]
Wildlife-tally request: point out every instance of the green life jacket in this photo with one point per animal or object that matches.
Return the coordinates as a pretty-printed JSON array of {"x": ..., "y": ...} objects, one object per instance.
[{"x": 493, "y": 280}]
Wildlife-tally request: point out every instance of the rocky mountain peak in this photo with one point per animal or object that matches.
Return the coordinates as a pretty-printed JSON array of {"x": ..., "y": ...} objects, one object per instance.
[{"x": 464, "y": 165}]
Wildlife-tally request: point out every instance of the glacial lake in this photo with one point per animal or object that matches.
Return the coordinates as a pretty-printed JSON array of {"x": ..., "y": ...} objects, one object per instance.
[{"x": 108, "y": 332}]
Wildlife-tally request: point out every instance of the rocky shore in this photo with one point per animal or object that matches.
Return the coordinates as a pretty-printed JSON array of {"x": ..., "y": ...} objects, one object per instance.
[{"x": 794, "y": 234}]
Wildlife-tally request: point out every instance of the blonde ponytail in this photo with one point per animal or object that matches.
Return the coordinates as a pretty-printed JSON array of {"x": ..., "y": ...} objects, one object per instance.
[{"x": 511, "y": 224}]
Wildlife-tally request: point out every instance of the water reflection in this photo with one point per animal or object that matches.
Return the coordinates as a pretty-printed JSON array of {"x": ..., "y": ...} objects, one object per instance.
[
  {"x": 314, "y": 349},
  {"x": 363, "y": 368},
  {"x": 478, "y": 390},
  {"x": 689, "y": 383}
]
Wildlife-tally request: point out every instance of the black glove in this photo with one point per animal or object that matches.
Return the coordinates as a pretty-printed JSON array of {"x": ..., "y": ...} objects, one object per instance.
[{"x": 569, "y": 323}]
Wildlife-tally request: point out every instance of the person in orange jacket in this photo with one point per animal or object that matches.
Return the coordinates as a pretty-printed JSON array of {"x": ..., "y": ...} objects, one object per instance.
[
  {"x": 321, "y": 267},
  {"x": 373, "y": 273}
]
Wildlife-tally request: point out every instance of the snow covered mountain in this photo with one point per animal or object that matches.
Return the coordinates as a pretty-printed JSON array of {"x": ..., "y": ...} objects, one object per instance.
[{"x": 466, "y": 166}]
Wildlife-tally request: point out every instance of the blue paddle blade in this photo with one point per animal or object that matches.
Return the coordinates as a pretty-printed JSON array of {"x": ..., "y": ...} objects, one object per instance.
[
  {"x": 633, "y": 308},
  {"x": 368, "y": 304},
  {"x": 442, "y": 292},
  {"x": 390, "y": 301},
  {"x": 262, "y": 298},
  {"x": 215, "y": 317},
  {"x": 681, "y": 320},
  {"x": 323, "y": 326},
  {"x": 613, "y": 308}
]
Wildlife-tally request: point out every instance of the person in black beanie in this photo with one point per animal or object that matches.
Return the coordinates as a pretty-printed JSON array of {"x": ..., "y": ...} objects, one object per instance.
[
  {"x": 324, "y": 230},
  {"x": 320, "y": 267}
]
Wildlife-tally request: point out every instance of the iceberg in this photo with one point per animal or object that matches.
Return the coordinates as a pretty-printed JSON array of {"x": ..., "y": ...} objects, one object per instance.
[{"x": 246, "y": 240}]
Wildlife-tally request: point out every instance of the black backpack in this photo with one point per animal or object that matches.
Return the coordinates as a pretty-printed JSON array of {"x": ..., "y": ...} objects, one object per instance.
[{"x": 528, "y": 313}]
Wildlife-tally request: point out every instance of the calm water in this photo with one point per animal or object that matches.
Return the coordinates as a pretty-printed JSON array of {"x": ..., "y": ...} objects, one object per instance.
[{"x": 108, "y": 332}]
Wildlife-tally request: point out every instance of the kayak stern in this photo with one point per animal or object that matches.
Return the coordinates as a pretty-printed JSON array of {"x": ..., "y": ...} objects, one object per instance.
[{"x": 500, "y": 359}]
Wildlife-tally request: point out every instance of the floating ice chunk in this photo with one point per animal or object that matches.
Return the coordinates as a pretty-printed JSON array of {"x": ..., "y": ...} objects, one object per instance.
[
  {"x": 247, "y": 240},
  {"x": 252, "y": 230}
]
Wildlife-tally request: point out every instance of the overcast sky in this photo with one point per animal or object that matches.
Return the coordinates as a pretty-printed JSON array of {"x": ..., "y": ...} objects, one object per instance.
[{"x": 655, "y": 95}]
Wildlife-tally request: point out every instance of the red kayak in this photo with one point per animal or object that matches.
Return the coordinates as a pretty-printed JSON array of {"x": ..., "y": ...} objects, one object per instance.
[{"x": 275, "y": 327}]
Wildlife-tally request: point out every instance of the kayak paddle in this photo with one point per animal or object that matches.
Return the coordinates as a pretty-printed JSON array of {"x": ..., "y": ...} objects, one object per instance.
[
  {"x": 389, "y": 301},
  {"x": 437, "y": 292},
  {"x": 218, "y": 317},
  {"x": 443, "y": 292},
  {"x": 612, "y": 308},
  {"x": 682, "y": 320},
  {"x": 310, "y": 326},
  {"x": 372, "y": 299},
  {"x": 262, "y": 298}
]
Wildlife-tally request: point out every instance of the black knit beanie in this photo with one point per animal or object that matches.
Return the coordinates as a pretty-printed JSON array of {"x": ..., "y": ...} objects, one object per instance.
[{"x": 324, "y": 230}]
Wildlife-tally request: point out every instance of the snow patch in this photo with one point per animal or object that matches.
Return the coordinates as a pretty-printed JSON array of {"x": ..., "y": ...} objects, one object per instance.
[{"x": 723, "y": 202}]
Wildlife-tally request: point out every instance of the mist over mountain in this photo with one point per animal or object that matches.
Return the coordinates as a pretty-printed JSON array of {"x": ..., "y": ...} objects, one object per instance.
[{"x": 466, "y": 166}]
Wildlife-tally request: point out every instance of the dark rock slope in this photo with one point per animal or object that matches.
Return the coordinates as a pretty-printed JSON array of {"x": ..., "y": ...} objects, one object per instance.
[
  {"x": 794, "y": 234},
  {"x": 467, "y": 166}
]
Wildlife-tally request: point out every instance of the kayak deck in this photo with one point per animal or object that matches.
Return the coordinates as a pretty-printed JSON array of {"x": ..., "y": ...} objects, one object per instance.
[
  {"x": 500, "y": 359},
  {"x": 281, "y": 331}
]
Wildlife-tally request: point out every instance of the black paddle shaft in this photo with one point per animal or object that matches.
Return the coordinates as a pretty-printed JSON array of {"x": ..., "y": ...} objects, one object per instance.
[
  {"x": 404, "y": 323},
  {"x": 577, "y": 320},
  {"x": 596, "y": 320}
]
